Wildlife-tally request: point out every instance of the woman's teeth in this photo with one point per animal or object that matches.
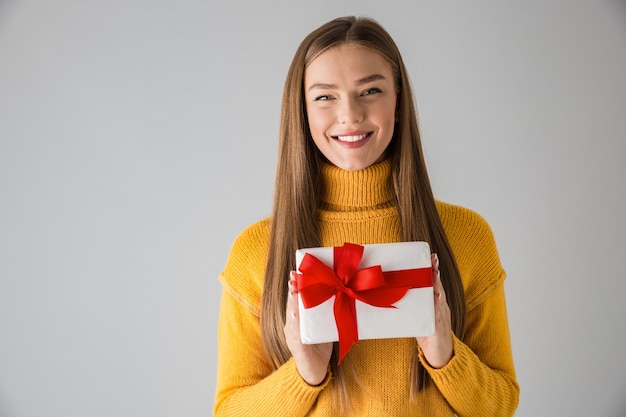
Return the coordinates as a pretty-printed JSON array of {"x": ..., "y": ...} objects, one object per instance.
[{"x": 352, "y": 138}]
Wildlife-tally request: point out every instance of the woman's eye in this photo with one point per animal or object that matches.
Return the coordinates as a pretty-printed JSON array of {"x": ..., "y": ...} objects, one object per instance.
[
  {"x": 370, "y": 91},
  {"x": 323, "y": 98}
]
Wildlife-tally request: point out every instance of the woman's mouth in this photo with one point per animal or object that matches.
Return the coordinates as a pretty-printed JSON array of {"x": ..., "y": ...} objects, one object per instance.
[{"x": 352, "y": 138}]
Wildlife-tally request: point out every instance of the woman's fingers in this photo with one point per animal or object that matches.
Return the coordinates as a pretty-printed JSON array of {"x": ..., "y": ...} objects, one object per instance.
[
  {"x": 440, "y": 293},
  {"x": 292, "y": 324},
  {"x": 311, "y": 360},
  {"x": 438, "y": 347}
]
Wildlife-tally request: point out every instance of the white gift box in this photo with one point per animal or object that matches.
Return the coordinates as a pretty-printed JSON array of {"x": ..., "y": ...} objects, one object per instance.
[{"x": 413, "y": 315}]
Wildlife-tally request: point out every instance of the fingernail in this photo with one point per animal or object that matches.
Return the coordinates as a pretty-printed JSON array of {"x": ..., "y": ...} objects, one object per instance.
[{"x": 293, "y": 316}]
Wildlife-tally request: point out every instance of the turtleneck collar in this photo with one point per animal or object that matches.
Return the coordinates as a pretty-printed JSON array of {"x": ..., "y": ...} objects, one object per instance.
[{"x": 357, "y": 190}]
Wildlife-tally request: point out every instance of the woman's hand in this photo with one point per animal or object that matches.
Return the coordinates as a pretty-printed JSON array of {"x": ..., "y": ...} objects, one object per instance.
[
  {"x": 437, "y": 348},
  {"x": 311, "y": 360}
]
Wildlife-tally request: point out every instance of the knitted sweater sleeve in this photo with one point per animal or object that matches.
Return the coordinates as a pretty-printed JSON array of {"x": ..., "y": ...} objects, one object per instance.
[
  {"x": 480, "y": 379},
  {"x": 246, "y": 383}
]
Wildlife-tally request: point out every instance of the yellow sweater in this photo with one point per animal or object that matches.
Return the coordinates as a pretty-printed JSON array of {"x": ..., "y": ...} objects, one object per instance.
[{"x": 356, "y": 207}]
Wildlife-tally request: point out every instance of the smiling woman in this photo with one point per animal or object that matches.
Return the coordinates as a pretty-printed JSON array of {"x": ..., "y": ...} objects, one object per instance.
[
  {"x": 350, "y": 101},
  {"x": 351, "y": 169}
]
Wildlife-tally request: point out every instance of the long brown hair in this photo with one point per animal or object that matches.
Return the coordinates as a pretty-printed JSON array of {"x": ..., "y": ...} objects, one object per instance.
[{"x": 294, "y": 222}]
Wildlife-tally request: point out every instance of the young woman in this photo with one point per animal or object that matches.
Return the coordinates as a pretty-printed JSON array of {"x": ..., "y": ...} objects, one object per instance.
[{"x": 351, "y": 169}]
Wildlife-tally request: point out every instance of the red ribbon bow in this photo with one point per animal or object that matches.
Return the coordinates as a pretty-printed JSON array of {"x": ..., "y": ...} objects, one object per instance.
[{"x": 317, "y": 283}]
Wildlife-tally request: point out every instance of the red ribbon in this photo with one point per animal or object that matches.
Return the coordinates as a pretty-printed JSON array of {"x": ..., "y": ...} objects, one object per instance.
[{"x": 317, "y": 283}]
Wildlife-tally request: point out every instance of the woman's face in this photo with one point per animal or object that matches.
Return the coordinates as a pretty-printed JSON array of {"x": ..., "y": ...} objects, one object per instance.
[{"x": 351, "y": 105}]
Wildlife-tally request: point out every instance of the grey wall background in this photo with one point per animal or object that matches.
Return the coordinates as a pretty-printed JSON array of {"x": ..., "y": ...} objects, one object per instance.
[{"x": 137, "y": 138}]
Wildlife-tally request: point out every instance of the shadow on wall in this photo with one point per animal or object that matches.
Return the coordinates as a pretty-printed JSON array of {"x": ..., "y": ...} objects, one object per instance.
[
  {"x": 5, "y": 6},
  {"x": 621, "y": 409},
  {"x": 617, "y": 10}
]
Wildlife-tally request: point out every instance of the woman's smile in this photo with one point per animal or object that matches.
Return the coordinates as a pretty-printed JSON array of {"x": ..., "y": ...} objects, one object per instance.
[{"x": 352, "y": 137}]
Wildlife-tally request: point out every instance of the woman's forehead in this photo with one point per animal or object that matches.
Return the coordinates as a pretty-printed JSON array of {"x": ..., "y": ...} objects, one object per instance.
[{"x": 348, "y": 63}]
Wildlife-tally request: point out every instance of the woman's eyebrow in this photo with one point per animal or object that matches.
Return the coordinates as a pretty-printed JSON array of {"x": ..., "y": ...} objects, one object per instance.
[
  {"x": 322, "y": 86},
  {"x": 360, "y": 81},
  {"x": 369, "y": 79}
]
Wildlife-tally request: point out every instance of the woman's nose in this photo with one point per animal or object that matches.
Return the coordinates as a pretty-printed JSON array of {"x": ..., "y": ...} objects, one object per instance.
[{"x": 350, "y": 111}]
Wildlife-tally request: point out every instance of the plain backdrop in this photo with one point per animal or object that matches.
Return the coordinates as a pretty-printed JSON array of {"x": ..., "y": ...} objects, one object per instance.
[{"x": 138, "y": 138}]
